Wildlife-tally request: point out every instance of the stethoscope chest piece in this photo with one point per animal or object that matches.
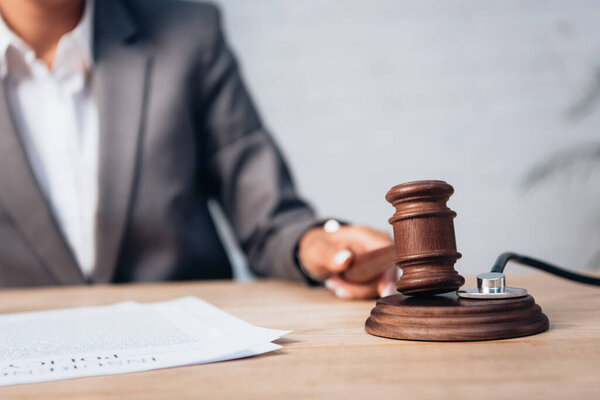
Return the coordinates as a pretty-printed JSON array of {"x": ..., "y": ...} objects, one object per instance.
[{"x": 491, "y": 286}]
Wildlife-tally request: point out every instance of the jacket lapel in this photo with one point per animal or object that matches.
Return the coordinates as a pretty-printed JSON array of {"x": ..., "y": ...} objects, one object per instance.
[
  {"x": 24, "y": 203},
  {"x": 120, "y": 85}
]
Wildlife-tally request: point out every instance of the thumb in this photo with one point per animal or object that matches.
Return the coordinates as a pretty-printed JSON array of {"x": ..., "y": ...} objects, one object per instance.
[
  {"x": 330, "y": 259},
  {"x": 339, "y": 260},
  {"x": 322, "y": 257}
]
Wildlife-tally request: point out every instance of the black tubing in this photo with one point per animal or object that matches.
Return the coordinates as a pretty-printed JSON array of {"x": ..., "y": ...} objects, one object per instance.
[{"x": 544, "y": 266}]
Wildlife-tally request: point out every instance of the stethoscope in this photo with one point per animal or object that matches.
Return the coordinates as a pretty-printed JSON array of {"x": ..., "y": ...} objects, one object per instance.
[{"x": 492, "y": 285}]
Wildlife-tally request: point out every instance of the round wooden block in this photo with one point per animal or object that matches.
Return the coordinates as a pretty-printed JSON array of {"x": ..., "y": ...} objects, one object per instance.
[{"x": 450, "y": 318}]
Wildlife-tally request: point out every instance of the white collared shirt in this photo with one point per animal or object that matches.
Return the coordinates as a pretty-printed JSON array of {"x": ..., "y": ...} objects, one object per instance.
[{"x": 57, "y": 120}]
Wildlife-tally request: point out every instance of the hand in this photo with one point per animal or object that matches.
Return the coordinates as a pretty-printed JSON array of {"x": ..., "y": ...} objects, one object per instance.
[{"x": 324, "y": 255}]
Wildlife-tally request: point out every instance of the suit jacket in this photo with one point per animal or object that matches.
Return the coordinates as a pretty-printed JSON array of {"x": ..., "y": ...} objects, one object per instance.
[{"x": 177, "y": 128}]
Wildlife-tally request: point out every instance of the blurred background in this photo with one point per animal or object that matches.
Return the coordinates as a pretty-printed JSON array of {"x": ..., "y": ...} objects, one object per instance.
[{"x": 499, "y": 98}]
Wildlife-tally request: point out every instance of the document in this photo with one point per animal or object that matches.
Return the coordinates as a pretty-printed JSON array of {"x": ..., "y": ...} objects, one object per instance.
[{"x": 123, "y": 337}]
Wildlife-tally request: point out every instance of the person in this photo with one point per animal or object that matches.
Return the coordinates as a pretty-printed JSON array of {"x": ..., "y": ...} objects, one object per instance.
[{"x": 119, "y": 120}]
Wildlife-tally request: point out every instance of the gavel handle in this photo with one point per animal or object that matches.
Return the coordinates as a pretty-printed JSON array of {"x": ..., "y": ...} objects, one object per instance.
[{"x": 369, "y": 266}]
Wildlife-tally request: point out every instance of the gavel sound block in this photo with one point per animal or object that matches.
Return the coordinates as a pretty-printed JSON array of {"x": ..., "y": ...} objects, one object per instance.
[{"x": 425, "y": 250}]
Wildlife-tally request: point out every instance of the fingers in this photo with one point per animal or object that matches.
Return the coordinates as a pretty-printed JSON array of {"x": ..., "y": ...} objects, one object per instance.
[
  {"x": 322, "y": 256},
  {"x": 347, "y": 290},
  {"x": 386, "y": 285},
  {"x": 329, "y": 258},
  {"x": 340, "y": 261}
]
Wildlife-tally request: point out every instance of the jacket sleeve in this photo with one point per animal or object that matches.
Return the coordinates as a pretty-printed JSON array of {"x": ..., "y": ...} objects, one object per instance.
[{"x": 246, "y": 170}]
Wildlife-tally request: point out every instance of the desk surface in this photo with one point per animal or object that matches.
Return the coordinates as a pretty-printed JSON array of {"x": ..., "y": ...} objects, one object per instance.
[{"x": 330, "y": 356}]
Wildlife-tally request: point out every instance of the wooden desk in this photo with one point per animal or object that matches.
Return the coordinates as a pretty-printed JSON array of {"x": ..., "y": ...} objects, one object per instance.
[{"x": 330, "y": 356}]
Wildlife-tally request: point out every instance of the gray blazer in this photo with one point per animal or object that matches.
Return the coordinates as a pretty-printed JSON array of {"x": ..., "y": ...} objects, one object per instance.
[{"x": 177, "y": 127}]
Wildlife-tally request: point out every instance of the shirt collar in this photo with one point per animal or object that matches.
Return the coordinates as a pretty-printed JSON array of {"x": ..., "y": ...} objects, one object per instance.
[
  {"x": 81, "y": 36},
  {"x": 83, "y": 33}
]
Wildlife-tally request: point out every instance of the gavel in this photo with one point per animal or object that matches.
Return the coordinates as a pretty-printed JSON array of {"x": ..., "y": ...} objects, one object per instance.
[
  {"x": 424, "y": 242},
  {"x": 425, "y": 249}
]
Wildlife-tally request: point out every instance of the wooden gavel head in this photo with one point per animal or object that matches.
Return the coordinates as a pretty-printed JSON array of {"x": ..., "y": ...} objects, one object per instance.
[{"x": 424, "y": 238}]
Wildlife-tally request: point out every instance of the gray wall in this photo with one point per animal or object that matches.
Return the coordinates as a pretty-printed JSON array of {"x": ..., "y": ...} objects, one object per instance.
[{"x": 362, "y": 95}]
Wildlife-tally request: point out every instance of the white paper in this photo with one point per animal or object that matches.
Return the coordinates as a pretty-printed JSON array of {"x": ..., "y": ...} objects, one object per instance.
[{"x": 124, "y": 337}]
